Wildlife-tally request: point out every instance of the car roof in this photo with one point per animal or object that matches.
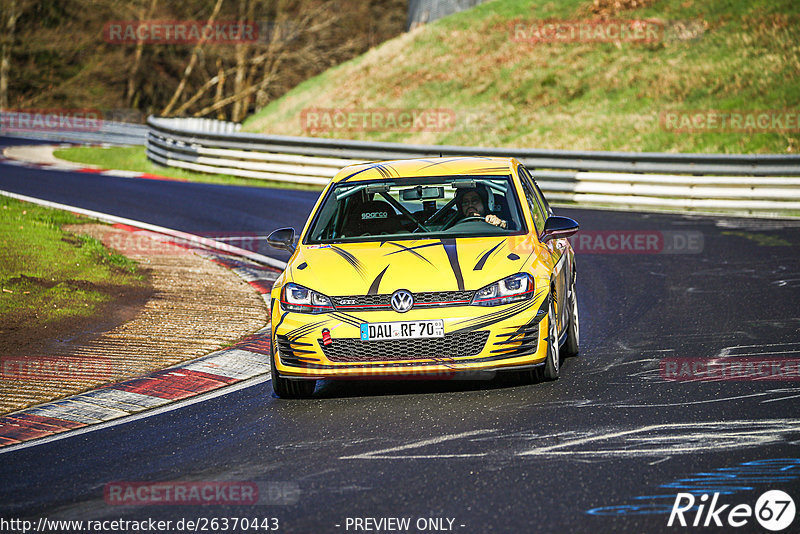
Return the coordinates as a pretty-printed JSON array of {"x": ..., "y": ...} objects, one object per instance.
[{"x": 410, "y": 168}]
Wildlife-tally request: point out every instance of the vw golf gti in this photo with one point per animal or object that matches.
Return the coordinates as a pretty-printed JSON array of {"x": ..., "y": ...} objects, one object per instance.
[{"x": 436, "y": 268}]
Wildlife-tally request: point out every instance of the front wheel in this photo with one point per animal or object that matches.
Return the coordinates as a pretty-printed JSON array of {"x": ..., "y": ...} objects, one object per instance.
[
  {"x": 572, "y": 344},
  {"x": 552, "y": 363},
  {"x": 286, "y": 388}
]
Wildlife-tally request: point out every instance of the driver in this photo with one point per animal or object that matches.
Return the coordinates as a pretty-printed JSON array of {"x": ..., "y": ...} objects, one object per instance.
[{"x": 472, "y": 203}]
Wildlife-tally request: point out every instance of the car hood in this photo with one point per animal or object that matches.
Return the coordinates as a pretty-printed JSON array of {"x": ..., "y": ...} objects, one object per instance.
[{"x": 422, "y": 265}]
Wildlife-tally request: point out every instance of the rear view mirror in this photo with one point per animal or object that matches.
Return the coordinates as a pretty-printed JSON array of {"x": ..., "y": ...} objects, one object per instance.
[
  {"x": 282, "y": 239},
  {"x": 556, "y": 227},
  {"x": 465, "y": 184},
  {"x": 377, "y": 188},
  {"x": 422, "y": 193}
]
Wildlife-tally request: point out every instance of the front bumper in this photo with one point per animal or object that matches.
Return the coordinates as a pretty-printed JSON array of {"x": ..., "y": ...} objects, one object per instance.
[{"x": 477, "y": 340}]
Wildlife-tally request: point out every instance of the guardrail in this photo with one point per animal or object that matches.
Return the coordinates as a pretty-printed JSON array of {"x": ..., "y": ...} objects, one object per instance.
[
  {"x": 739, "y": 182},
  {"x": 102, "y": 131}
]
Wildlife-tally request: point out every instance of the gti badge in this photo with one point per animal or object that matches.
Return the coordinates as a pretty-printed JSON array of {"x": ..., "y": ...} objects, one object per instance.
[{"x": 402, "y": 301}]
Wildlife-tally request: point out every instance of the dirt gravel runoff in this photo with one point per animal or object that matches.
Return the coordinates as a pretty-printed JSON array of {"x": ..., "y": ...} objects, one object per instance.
[{"x": 193, "y": 307}]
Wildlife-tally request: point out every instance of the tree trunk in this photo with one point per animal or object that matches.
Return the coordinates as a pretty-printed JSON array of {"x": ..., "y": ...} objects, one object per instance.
[
  {"x": 5, "y": 53},
  {"x": 192, "y": 62},
  {"x": 240, "y": 107},
  {"x": 220, "y": 90},
  {"x": 137, "y": 58}
]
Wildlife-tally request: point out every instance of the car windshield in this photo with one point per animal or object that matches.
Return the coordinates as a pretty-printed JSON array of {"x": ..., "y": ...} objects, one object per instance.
[{"x": 410, "y": 208}]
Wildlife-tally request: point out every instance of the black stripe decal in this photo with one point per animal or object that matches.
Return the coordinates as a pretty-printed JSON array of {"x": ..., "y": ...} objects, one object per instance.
[
  {"x": 480, "y": 322},
  {"x": 373, "y": 289},
  {"x": 281, "y": 321},
  {"x": 347, "y": 318},
  {"x": 382, "y": 169},
  {"x": 404, "y": 248},
  {"x": 489, "y": 170},
  {"x": 493, "y": 317},
  {"x": 500, "y": 312},
  {"x": 452, "y": 255},
  {"x": 511, "y": 312},
  {"x": 542, "y": 311},
  {"x": 352, "y": 260},
  {"x": 411, "y": 248},
  {"x": 482, "y": 261},
  {"x": 303, "y": 330},
  {"x": 451, "y": 160}
]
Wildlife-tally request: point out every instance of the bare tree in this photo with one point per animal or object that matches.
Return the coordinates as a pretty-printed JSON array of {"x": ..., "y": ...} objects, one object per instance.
[
  {"x": 239, "y": 109},
  {"x": 10, "y": 15},
  {"x": 297, "y": 39},
  {"x": 304, "y": 41},
  {"x": 192, "y": 62},
  {"x": 220, "y": 89},
  {"x": 130, "y": 94}
]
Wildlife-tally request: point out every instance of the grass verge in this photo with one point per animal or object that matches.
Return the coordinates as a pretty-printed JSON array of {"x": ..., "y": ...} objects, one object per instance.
[
  {"x": 133, "y": 158},
  {"x": 48, "y": 275},
  {"x": 506, "y": 91}
]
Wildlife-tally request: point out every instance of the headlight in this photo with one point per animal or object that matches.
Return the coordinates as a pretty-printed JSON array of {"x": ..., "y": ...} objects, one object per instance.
[
  {"x": 297, "y": 298},
  {"x": 511, "y": 289}
]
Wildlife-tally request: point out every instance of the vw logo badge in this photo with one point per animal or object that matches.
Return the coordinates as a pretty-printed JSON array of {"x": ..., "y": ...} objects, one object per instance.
[{"x": 402, "y": 300}]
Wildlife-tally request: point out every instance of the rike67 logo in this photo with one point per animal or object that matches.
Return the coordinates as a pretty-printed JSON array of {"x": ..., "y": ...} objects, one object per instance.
[{"x": 774, "y": 511}]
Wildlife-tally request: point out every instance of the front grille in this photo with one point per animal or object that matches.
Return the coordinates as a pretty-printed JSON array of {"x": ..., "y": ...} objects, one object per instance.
[
  {"x": 426, "y": 299},
  {"x": 449, "y": 346},
  {"x": 357, "y": 301},
  {"x": 438, "y": 297}
]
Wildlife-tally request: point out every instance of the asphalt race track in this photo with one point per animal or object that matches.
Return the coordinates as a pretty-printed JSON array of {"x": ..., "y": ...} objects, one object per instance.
[{"x": 606, "y": 448}]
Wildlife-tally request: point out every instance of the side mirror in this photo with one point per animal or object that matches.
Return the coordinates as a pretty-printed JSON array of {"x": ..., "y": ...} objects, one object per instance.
[
  {"x": 556, "y": 227},
  {"x": 282, "y": 238}
]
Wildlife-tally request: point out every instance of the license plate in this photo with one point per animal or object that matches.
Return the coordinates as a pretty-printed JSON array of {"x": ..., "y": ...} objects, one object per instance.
[{"x": 402, "y": 330}]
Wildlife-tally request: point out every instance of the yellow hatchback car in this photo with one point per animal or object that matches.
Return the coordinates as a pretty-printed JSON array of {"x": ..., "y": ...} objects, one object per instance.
[{"x": 434, "y": 268}]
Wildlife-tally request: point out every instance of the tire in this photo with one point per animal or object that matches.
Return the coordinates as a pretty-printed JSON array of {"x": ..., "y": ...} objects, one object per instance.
[
  {"x": 552, "y": 362},
  {"x": 572, "y": 344},
  {"x": 285, "y": 388}
]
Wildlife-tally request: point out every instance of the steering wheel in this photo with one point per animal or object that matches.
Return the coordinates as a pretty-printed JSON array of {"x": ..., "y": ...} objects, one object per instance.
[{"x": 471, "y": 218}]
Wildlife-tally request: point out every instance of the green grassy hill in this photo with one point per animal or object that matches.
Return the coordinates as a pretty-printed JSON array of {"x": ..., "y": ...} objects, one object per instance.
[{"x": 713, "y": 55}]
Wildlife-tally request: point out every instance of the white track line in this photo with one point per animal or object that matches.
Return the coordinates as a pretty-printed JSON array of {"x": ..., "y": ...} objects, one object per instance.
[
  {"x": 381, "y": 454},
  {"x": 191, "y": 238},
  {"x": 141, "y": 415}
]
